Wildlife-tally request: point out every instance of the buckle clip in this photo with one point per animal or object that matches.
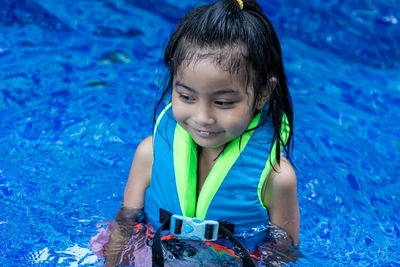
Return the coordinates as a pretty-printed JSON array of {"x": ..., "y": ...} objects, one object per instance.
[{"x": 194, "y": 228}]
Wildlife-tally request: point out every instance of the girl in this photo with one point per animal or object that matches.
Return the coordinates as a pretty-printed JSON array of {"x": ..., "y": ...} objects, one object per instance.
[{"x": 216, "y": 149}]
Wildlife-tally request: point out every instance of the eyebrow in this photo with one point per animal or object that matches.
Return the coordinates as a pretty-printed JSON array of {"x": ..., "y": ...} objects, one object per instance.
[{"x": 219, "y": 92}]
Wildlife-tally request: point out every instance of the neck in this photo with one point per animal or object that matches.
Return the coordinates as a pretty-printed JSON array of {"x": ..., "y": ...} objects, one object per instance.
[
  {"x": 206, "y": 158},
  {"x": 211, "y": 154}
]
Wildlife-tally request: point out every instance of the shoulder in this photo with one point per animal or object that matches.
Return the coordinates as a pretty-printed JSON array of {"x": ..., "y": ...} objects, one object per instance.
[
  {"x": 282, "y": 177},
  {"x": 281, "y": 183},
  {"x": 143, "y": 160},
  {"x": 144, "y": 151},
  {"x": 280, "y": 197}
]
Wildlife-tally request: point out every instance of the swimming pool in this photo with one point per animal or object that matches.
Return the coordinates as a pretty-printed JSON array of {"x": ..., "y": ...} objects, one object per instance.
[{"x": 76, "y": 93}]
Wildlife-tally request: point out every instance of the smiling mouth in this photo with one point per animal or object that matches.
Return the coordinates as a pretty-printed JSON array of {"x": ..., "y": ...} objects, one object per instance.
[{"x": 206, "y": 133}]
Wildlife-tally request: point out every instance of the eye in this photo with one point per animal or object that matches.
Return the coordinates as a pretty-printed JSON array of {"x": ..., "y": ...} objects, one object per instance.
[
  {"x": 186, "y": 98},
  {"x": 224, "y": 104}
]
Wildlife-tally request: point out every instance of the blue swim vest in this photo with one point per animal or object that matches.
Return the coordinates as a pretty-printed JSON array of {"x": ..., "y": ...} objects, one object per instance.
[{"x": 232, "y": 190}]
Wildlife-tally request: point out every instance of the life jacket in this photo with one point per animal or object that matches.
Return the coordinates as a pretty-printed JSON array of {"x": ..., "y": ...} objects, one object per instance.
[{"x": 232, "y": 191}]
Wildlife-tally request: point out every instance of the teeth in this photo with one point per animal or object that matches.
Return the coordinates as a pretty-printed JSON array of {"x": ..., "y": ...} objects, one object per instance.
[{"x": 205, "y": 133}]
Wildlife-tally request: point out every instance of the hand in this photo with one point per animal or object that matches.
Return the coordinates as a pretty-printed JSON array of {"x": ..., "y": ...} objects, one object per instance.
[
  {"x": 113, "y": 248},
  {"x": 121, "y": 232}
]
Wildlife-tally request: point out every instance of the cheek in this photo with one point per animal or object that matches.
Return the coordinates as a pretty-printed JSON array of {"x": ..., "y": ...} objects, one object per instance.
[
  {"x": 237, "y": 126},
  {"x": 178, "y": 111},
  {"x": 175, "y": 105}
]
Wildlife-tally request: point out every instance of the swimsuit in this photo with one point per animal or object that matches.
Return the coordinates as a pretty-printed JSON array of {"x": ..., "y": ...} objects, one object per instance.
[{"x": 232, "y": 191}]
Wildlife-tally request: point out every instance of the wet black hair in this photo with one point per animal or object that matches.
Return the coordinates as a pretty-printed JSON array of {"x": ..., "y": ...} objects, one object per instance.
[{"x": 234, "y": 39}]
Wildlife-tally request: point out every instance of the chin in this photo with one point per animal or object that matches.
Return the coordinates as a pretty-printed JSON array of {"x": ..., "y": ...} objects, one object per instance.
[{"x": 212, "y": 145}]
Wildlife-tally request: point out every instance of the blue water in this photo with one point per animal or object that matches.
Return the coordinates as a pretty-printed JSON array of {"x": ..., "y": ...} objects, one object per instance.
[{"x": 77, "y": 85}]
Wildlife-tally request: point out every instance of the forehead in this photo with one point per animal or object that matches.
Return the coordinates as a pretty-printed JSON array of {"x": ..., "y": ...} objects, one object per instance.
[
  {"x": 208, "y": 79},
  {"x": 207, "y": 70}
]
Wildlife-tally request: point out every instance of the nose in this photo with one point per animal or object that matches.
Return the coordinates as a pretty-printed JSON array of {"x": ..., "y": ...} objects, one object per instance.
[{"x": 203, "y": 115}]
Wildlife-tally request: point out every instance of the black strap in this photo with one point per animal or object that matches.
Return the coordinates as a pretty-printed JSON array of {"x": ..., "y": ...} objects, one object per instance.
[
  {"x": 238, "y": 246},
  {"x": 157, "y": 252},
  {"x": 223, "y": 232}
]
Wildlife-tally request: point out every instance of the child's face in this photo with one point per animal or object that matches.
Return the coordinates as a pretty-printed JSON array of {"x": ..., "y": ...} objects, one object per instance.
[{"x": 213, "y": 105}]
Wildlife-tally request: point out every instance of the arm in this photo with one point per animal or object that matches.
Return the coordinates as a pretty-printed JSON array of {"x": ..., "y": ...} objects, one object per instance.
[
  {"x": 280, "y": 197},
  {"x": 140, "y": 175},
  {"x": 138, "y": 182}
]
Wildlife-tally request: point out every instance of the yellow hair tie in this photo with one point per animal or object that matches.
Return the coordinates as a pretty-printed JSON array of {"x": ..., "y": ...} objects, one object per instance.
[{"x": 240, "y": 2}]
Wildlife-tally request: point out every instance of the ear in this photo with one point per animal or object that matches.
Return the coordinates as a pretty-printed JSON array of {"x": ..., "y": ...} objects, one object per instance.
[{"x": 266, "y": 93}]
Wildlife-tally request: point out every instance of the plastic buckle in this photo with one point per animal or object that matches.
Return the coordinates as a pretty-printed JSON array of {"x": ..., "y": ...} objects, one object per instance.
[{"x": 194, "y": 228}]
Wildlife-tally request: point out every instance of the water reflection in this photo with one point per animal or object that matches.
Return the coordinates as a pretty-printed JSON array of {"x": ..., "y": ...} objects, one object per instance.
[{"x": 277, "y": 250}]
